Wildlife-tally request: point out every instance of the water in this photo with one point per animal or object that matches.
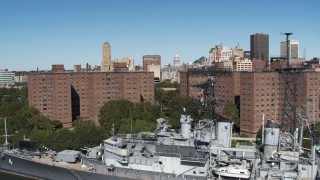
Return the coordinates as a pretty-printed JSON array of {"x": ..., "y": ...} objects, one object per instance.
[{"x": 6, "y": 176}]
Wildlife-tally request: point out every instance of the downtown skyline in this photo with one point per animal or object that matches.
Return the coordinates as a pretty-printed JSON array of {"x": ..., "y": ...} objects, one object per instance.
[{"x": 41, "y": 33}]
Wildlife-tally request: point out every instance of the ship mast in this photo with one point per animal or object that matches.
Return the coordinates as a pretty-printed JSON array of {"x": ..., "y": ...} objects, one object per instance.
[
  {"x": 114, "y": 138},
  {"x": 6, "y": 143}
]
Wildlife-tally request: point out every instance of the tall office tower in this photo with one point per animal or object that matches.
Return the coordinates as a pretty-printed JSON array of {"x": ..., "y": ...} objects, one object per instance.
[
  {"x": 293, "y": 48},
  {"x": 152, "y": 63},
  {"x": 176, "y": 59},
  {"x": 106, "y": 64},
  {"x": 259, "y": 46}
]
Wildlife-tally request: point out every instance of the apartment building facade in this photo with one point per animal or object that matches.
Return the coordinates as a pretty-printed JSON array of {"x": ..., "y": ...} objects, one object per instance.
[
  {"x": 65, "y": 96},
  {"x": 258, "y": 93}
]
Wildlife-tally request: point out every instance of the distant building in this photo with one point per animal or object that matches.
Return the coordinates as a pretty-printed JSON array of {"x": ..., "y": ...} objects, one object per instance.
[
  {"x": 243, "y": 65},
  {"x": 152, "y": 63},
  {"x": 156, "y": 69},
  {"x": 170, "y": 73},
  {"x": 120, "y": 67},
  {"x": 237, "y": 53},
  {"x": 6, "y": 77},
  {"x": 106, "y": 64},
  {"x": 176, "y": 59},
  {"x": 259, "y": 65},
  {"x": 259, "y": 46},
  {"x": 228, "y": 65},
  {"x": 87, "y": 68},
  {"x": 20, "y": 77},
  {"x": 219, "y": 53},
  {"x": 129, "y": 61},
  {"x": 64, "y": 96},
  {"x": 246, "y": 54},
  {"x": 293, "y": 48},
  {"x": 138, "y": 68}
]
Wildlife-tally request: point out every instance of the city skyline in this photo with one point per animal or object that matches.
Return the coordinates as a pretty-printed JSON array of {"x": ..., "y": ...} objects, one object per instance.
[{"x": 41, "y": 33}]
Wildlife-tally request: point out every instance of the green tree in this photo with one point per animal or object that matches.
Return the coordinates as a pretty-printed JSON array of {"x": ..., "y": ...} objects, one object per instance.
[
  {"x": 125, "y": 114},
  {"x": 200, "y": 60},
  {"x": 86, "y": 134},
  {"x": 230, "y": 110},
  {"x": 113, "y": 112},
  {"x": 172, "y": 104}
]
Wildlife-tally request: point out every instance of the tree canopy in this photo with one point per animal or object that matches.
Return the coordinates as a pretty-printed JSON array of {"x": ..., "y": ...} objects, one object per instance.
[
  {"x": 230, "y": 110},
  {"x": 125, "y": 114},
  {"x": 200, "y": 60}
]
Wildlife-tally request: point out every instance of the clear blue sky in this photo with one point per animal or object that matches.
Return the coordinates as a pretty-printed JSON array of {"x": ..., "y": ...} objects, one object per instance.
[{"x": 39, "y": 33}]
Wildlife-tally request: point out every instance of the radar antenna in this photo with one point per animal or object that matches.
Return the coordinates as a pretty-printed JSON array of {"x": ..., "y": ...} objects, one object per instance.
[{"x": 288, "y": 46}]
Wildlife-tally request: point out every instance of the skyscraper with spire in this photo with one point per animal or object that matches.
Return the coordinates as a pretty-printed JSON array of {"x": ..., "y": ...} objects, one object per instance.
[
  {"x": 176, "y": 59},
  {"x": 106, "y": 64}
]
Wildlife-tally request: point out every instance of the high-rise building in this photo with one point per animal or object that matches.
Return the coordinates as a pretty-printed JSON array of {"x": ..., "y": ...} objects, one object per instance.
[
  {"x": 152, "y": 63},
  {"x": 259, "y": 46},
  {"x": 293, "y": 48},
  {"x": 106, "y": 64},
  {"x": 176, "y": 59},
  {"x": 256, "y": 93},
  {"x": 64, "y": 96}
]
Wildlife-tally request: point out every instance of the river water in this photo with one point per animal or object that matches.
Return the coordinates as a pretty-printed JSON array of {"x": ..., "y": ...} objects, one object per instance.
[{"x": 6, "y": 176}]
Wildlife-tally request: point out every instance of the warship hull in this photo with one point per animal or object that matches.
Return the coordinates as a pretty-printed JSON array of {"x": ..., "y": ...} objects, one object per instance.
[
  {"x": 28, "y": 168},
  {"x": 20, "y": 166}
]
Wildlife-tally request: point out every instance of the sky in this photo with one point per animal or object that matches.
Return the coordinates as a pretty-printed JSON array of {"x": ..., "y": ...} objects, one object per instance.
[{"x": 38, "y": 33}]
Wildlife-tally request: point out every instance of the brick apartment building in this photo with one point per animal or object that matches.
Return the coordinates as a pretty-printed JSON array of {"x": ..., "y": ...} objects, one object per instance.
[
  {"x": 64, "y": 96},
  {"x": 257, "y": 93}
]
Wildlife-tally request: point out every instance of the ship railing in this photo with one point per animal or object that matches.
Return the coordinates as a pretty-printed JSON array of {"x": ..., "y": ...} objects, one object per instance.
[
  {"x": 127, "y": 135},
  {"x": 21, "y": 155},
  {"x": 195, "y": 159},
  {"x": 183, "y": 158},
  {"x": 168, "y": 154},
  {"x": 120, "y": 159},
  {"x": 139, "y": 141},
  {"x": 93, "y": 161}
]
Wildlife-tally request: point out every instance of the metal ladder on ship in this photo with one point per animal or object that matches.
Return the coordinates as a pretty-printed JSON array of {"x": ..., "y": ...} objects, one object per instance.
[{"x": 75, "y": 174}]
